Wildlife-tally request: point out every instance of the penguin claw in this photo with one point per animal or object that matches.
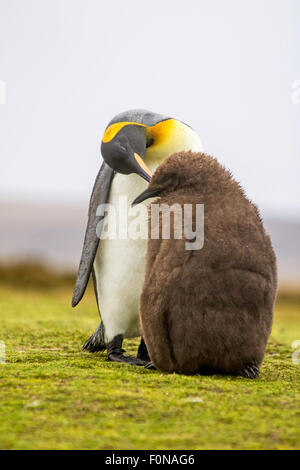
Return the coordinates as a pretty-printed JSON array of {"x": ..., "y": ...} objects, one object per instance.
[
  {"x": 120, "y": 357},
  {"x": 251, "y": 371},
  {"x": 150, "y": 366}
]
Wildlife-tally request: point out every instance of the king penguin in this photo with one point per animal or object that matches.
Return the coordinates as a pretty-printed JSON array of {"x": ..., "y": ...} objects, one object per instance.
[
  {"x": 134, "y": 144},
  {"x": 207, "y": 306}
]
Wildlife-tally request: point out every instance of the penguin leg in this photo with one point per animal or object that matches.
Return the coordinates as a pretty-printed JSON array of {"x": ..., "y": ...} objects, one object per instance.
[
  {"x": 143, "y": 351},
  {"x": 115, "y": 353},
  {"x": 251, "y": 371},
  {"x": 96, "y": 341}
]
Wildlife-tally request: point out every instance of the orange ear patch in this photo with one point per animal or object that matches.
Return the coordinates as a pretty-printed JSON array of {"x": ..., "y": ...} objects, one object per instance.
[{"x": 160, "y": 131}]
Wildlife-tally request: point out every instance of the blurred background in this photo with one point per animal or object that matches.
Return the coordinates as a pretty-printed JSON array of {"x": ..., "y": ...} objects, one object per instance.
[{"x": 230, "y": 69}]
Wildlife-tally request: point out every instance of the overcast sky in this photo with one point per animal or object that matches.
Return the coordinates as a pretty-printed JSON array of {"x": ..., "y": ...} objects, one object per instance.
[{"x": 226, "y": 67}]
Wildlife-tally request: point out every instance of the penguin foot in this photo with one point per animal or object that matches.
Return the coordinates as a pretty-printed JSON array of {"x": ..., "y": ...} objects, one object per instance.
[
  {"x": 143, "y": 352},
  {"x": 251, "y": 371},
  {"x": 150, "y": 366},
  {"x": 96, "y": 342},
  {"x": 115, "y": 353},
  {"x": 120, "y": 357}
]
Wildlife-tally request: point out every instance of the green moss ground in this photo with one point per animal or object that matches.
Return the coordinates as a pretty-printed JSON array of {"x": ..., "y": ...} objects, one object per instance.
[{"x": 54, "y": 396}]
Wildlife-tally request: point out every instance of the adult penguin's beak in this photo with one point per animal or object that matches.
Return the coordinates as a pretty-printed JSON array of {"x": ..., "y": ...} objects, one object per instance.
[
  {"x": 142, "y": 168},
  {"x": 124, "y": 150}
]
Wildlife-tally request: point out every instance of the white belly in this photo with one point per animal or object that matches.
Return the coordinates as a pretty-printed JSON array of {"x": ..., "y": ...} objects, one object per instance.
[
  {"x": 119, "y": 267},
  {"x": 120, "y": 263}
]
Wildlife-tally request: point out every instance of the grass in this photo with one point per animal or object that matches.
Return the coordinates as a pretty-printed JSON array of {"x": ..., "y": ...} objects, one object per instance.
[{"x": 54, "y": 396}]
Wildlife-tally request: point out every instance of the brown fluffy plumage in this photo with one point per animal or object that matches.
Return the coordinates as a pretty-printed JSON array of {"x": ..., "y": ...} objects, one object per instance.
[{"x": 208, "y": 310}]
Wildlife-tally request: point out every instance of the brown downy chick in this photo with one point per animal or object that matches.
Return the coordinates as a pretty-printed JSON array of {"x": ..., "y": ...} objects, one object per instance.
[{"x": 208, "y": 310}]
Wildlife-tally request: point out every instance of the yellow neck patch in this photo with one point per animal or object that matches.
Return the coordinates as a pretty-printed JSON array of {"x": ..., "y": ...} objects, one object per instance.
[
  {"x": 113, "y": 129},
  {"x": 169, "y": 137},
  {"x": 161, "y": 131}
]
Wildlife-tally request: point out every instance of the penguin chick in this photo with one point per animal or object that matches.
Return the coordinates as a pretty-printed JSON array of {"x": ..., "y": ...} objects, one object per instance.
[{"x": 207, "y": 310}]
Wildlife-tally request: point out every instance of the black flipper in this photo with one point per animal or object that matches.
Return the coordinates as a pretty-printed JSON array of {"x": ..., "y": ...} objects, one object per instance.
[{"x": 91, "y": 240}]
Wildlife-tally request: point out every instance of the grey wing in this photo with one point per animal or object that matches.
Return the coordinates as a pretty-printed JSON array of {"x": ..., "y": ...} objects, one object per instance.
[{"x": 99, "y": 195}]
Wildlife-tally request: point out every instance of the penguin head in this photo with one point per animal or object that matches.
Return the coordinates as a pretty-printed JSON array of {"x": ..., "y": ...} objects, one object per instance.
[
  {"x": 130, "y": 133},
  {"x": 123, "y": 148},
  {"x": 188, "y": 172}
]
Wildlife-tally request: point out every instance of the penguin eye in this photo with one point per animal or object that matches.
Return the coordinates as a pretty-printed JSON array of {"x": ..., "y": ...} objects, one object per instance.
[
  {"x": 123, "y": 145},
  {"x": 149, "y": 142},
  {"x": 123, "y": 149}
]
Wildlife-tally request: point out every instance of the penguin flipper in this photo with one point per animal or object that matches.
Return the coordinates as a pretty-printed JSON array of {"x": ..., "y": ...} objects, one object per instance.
[{"x": 91, "y": 241}]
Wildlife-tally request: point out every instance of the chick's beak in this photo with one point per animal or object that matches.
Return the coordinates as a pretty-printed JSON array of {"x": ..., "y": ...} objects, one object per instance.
[
  {"x": 145, "y": 195},
  {"x": 143, "y": 170}
]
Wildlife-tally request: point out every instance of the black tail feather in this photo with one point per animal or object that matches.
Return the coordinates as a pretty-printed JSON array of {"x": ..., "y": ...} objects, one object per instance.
[{"x": 96, "y": 342}]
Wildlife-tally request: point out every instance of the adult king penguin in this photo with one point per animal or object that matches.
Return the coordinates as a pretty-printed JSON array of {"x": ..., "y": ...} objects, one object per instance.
[{"x": 135, "y": 142}]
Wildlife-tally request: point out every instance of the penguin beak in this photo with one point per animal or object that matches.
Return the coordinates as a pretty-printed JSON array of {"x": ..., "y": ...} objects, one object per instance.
[
  {"x": 124, "y": 152},
  {"x": 143, "y": 170},
  {"x": 145, "y": 195}
]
